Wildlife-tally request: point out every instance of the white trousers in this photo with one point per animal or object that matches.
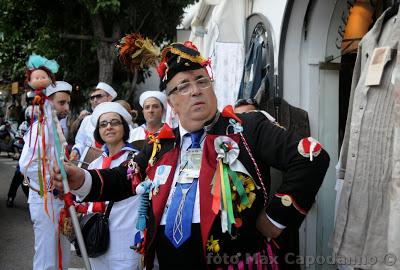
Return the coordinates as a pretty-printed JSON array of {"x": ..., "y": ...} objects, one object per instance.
[
  {"x": 102, "y": 263},
  {"x": 46, "y": 238}
]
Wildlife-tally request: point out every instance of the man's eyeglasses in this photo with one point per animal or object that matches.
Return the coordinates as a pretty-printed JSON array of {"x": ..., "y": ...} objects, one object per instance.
[
  {"x": 98, "y": 96},
  {"x": 113, "y": 123},
  {"x": 186, "y": 87}
]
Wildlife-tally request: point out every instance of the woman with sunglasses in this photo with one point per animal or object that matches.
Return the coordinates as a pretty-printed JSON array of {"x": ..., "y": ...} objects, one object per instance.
[{"x": 112, "y": 123}]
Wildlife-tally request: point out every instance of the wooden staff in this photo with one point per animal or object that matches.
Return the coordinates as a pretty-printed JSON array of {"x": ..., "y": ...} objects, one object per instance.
[{"x": 60, "y": 157}]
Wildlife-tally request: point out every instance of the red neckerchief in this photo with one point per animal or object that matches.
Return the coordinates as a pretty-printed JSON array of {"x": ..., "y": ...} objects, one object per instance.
[
  {"x": 147, "y": 134},
  {"x": 165, "y": 132},
  {"x": 97, "y": 144},
  {"x": 107, "y": 160},
  {"x": 101, "y": 206}
]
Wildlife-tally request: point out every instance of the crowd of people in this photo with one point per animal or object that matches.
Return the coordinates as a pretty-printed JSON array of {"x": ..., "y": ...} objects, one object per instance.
[{"x": 207, "y": 179}]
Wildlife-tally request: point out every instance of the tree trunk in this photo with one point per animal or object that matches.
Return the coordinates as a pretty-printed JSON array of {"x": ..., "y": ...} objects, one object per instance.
[
  {"x": 131, "y": 91},
  {"x": 105, "y": 50}
]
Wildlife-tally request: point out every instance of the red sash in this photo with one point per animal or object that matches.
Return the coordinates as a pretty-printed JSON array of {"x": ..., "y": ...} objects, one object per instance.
[{"x": 101, "y": 206}]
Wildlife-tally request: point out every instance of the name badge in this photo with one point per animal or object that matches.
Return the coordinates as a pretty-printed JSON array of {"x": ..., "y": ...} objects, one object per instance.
[
  {"x": 192, "y": 169},
  {"x": 162, "y": 174}
]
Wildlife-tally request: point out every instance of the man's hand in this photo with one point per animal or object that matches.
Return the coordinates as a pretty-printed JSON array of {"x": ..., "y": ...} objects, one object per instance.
[
  {"x": 265, "y": 226},
  {"x": 74, "y": 155},
  {"x": 75, "y": 176},
  {"x": 83, "y": 114}
]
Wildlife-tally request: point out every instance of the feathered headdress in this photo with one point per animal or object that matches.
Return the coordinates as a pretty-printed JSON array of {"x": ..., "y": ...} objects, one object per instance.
[
  {"x": 137, "y": 52},
  {"x": 35, "y": 61}
]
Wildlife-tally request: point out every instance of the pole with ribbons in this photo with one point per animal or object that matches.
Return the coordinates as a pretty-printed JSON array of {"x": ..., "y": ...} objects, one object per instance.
[{"x": 60, "y": 143}]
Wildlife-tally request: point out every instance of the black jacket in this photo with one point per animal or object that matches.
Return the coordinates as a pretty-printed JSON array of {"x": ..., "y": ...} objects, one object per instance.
[{"x": 270, "y": 145}]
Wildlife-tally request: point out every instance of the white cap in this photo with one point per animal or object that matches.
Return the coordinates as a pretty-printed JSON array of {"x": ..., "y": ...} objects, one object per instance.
[
  {"x": 107, "y": 88},
  {"x": 59, "y": 86},
  {"x": 107, "y": 107},
  {"x": 154, "y": 94}
]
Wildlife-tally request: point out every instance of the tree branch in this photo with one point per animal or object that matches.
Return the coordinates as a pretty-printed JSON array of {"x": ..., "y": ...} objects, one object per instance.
[
  {"x": 97, "y": 24},
  {"x": 142, "y": 22},
  {"x": 85, "y": 37},
  {"x": 131, "y": 90}
]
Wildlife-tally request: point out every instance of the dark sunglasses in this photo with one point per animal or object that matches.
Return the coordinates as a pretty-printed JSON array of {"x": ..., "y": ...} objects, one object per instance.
[
  {"x": 98, "y": 96},
  {"x": 113, "y": 123}
]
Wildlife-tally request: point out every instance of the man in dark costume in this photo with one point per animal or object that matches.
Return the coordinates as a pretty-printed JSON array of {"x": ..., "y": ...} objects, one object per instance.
[{"x": 208, "y": 180}]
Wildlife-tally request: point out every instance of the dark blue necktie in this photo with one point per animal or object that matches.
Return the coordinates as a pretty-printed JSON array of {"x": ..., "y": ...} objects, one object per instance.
[{"x": 179, "y": 218}]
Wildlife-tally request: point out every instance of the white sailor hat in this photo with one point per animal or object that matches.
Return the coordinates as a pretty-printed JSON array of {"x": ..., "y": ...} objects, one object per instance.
[
  {"x": 107, "y": 88},
  {"x": 59, "y": 86},
  {"x": 154, "y": 94},
  {"x": 107, "y": 107}
]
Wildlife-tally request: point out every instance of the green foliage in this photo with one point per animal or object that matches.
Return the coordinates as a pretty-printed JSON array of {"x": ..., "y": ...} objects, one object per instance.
[
  {"x": 41, "y": 26},
  {"x": 101, "y": 6},
  {"x": 19, "y": 27}
]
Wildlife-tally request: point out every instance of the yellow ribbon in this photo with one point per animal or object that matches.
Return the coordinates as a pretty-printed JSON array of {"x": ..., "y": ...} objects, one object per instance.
[
  {"x": 223, "y": 185},
  {"x": 156, "y": 148}
]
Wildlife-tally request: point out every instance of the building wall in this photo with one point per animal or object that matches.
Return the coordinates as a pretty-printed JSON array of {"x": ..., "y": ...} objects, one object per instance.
[
  {"x": 274, "y": 11},
  {"x": 218, "y": 31},
  {"x": 312, "y": 36}
]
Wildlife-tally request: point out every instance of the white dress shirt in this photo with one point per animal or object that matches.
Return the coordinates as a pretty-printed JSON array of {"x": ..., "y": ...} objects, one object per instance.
[
  {"x": 29, "y": 165},
  {"x": 186, "y": 141},
  {"x": 84, "y": 136},
  {"x": 137, "y": 134}
]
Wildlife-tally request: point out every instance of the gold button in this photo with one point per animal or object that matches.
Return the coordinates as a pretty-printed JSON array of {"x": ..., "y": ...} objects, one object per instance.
[{"x": 286, "y": 200}]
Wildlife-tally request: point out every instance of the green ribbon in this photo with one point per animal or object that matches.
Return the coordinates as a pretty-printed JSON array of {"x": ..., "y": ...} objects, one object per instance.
[
  {"x": 239, "y": 187},
  {"x": 58, "y": 148},
  {"x": 214, "y": 179},
  {"x": 231, "y": 217}
]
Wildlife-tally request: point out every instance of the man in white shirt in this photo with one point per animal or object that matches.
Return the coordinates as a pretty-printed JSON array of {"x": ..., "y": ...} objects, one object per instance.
[
  {"x": 154, "y": 104},
  {"x": 45, "y": 218},
  {"x": 84, "y": 137}
]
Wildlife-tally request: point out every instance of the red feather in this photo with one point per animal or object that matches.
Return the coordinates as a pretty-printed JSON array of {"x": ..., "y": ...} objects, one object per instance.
[
  {"x": 190, "y": 45},
  {"x": 162, "y": 67}
]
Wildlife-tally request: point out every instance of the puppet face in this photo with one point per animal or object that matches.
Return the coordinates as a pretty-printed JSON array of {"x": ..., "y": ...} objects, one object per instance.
[{"x": 39, "y": 79}]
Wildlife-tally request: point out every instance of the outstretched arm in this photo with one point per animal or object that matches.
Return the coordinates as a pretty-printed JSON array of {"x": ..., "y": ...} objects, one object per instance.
[{"x": 100, "y": 185}]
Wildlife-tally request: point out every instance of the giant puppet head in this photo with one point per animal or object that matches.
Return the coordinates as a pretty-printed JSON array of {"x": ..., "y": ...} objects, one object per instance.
[{"x": 40, "y": 72}]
